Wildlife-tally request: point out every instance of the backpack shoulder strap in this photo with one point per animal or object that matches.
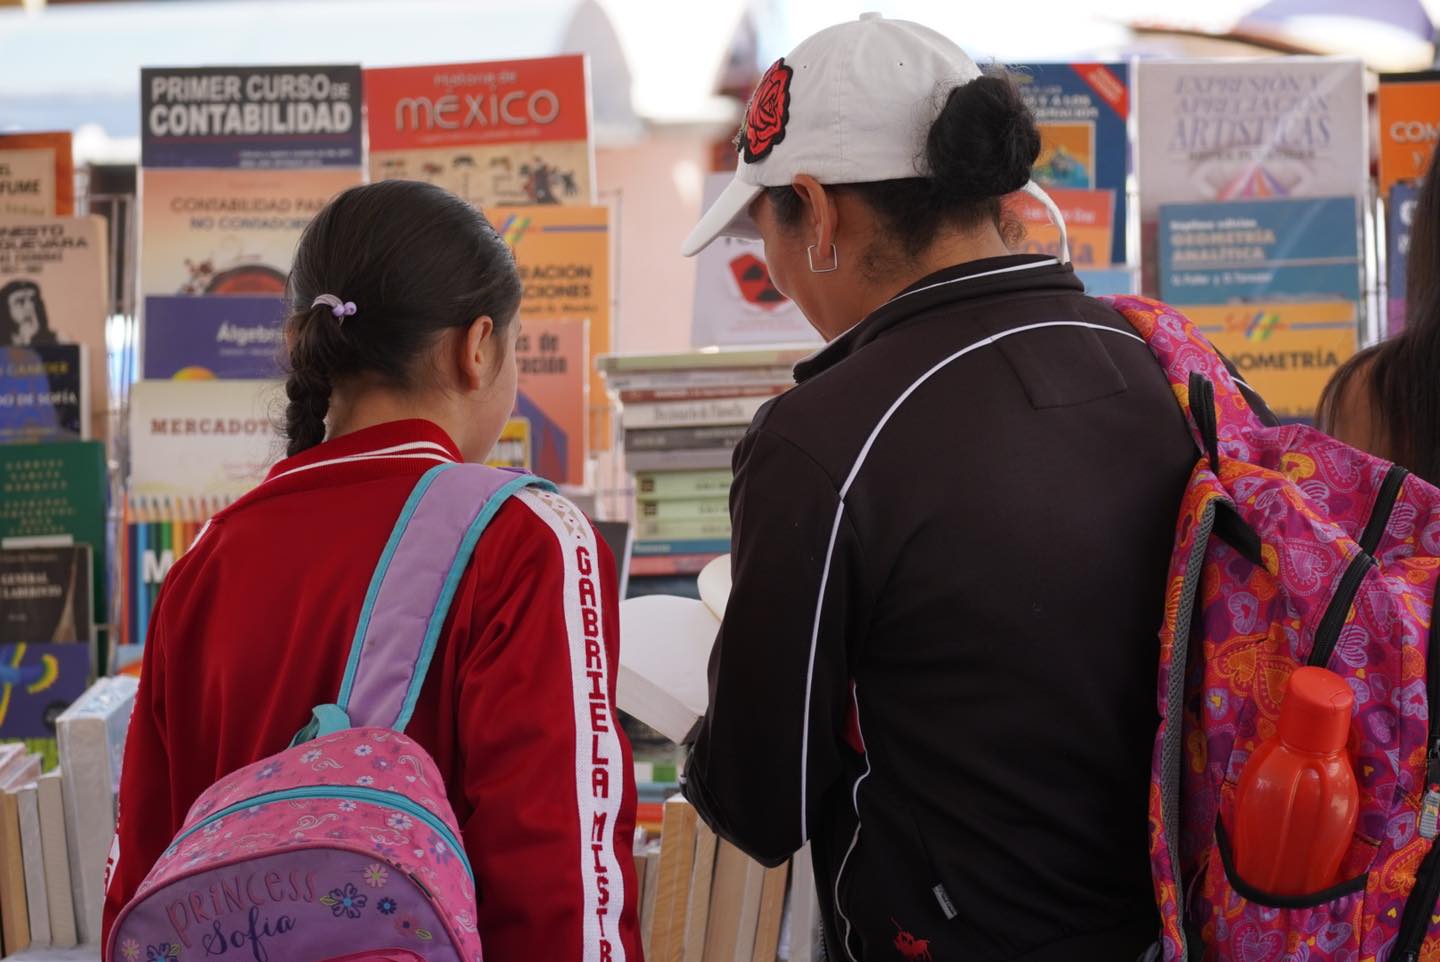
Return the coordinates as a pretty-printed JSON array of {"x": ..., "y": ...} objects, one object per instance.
[
  {"x": 410, "y": 594},
  {"x": 1210, "y": 396}
]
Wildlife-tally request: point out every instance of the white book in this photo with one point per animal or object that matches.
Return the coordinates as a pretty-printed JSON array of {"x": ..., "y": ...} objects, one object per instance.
[
  {"x": 59, "y": 899},
  {"x": 665, "y": 644},
  {"x": 33, "y": 852},
  {"x": 91, "y": 734},
  {"x": 25, "y": 771},
  {"x": 714, "y": 584},
  {"x": 12, "y": 757},
  {"x": 800, "y": 939}
]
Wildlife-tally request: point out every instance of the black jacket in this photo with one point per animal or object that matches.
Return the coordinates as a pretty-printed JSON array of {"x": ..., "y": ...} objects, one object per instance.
[{"x": 983, "y": 580}]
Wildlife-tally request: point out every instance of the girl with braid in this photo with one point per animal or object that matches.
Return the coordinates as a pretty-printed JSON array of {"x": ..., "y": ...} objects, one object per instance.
[{"x": 401, "y": 349}]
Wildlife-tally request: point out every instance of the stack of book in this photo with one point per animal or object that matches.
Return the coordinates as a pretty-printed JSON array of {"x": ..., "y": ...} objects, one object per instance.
[
  {"x": 56, "y": 828},
  {"x": 682, "y": 416},
  {"x": 54, "y": 574},
  {"x": 704, "y": 900}
]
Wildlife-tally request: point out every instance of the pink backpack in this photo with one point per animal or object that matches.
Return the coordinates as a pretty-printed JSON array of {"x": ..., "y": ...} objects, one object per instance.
[
  {"x": 1291, "y": 549},
  {"x": 342, "y": 848}
]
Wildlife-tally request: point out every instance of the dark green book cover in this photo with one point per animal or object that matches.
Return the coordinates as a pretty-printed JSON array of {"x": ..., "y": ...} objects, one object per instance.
[{"x": 58, "y": 489}]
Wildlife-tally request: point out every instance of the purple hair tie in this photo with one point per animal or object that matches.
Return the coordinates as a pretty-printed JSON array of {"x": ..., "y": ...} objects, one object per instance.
[{"x": 341, "y": 309}]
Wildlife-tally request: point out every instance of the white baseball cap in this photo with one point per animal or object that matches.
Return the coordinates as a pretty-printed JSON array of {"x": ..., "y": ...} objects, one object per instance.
[{"x": 852, "y": 104}]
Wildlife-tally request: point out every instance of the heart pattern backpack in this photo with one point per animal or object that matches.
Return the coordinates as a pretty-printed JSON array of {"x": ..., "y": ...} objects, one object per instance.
[
  {"x": 342, "y": 848},
  {"x": 1291, "y": 549}
]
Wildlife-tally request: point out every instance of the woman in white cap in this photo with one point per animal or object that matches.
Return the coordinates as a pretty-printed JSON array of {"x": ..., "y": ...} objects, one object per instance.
[{"x": 938, "y": 662}]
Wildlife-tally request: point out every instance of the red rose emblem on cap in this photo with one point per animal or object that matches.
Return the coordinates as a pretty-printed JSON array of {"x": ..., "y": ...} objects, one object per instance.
[{"x": 768, "y": 113}]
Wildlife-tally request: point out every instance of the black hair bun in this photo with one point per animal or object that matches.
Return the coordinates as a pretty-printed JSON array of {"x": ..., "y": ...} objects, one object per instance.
[{"x": 984, "y": 142}]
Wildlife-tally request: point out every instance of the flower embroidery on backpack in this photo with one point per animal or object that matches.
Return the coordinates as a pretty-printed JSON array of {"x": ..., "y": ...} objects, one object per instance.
[
  {"x": 130, "y": 949},
  {"x": 376, "y": 875},
  {"x": 312, "y": 756},
  {"x": 162, "y": 953},
  {"x": 408, "y": 924},
  {"x": 386, "y": 906},
  {"x": 400, "y": 823},
  {"x": 365, "y": 780},
  {"x": 269, "y": 771},
  {"x": 345, "y": 901},
  {"x": 348, "y": 806},
  {"x": 362, "y": 750}
]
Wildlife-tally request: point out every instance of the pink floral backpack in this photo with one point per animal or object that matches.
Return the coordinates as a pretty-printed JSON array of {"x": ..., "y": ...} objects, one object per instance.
[
  {"x": 1291, "y": 549},
  {"x": 342, "y": 848}
]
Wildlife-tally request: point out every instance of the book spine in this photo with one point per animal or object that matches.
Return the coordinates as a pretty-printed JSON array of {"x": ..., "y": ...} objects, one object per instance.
[
  {"x": 91, "y": 734},
  {"x": 704, "y": 509},
  {"x": 14, "y": 915},
  {"x": 697, "y": 459},
  {"x": 89, "y": 820},
  {"x": 668, "y": 566},
  {"x": 697, "y": 915},
  {"x": 647, "y": 896},
  {"x": 682, "y": 546},
  {"x": 724, "y": 436},
  {"x": 60, "y": 900},
  {"x": 677, "y": 861},
  {"x": 683, "y": 485},
  {"x": 804, "y": 909},
  {"x": 699, "y": 393},
  {"x": 659, "y": 530},
  {"x": 660, "y": 379},
  {"x": 34, "y": 862},
  {"x": 669, "y": 414}
]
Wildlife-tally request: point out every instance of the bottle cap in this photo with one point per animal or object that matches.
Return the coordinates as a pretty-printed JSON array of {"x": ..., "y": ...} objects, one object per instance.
[{"x": 1315, "y": 716}]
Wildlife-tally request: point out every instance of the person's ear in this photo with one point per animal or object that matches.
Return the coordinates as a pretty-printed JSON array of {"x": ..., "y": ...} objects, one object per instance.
[
  {"x": 477, "y": 353},
  {"x": 823, "y": 221}
]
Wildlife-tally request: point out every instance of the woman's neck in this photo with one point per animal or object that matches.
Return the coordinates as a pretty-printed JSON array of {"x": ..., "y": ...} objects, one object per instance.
[{"x": 947, "y": 251}]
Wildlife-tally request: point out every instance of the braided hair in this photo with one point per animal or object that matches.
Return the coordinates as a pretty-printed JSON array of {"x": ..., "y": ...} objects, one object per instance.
[{"x": 415, "y": 260}]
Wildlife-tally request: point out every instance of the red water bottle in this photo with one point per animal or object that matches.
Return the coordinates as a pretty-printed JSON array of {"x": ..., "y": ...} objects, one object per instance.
[{"x": 1297, "y": 802}]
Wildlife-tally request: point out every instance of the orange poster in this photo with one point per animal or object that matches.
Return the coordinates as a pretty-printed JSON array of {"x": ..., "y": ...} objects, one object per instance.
[
  {"x": 1409, "y": 107},
  {"x": 563, "y": 254},
  {"x": 1089, "y": 221},
  {"x": 503, "y": 132},
  {"x": 228, "y": 231},
  {"x": 1287, "y": 351},
  {"x": 37, "y": 175},
  {"x": 552, "y": 356}
]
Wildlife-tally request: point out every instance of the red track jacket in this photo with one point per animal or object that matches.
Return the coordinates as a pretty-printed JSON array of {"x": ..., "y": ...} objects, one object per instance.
[{"x": 253, "y": 628}]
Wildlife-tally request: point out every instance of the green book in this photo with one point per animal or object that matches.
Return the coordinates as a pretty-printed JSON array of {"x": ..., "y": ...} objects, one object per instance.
[
  {"x": 683, "y": 530},
  {"x": 683, "y": 485},
  {"x": 59, "y": 488},
  {"x": 699, "y": 509}
]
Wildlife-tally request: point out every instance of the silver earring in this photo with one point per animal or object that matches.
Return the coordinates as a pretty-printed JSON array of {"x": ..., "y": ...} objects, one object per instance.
[{"x": 834, "y": 260}]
